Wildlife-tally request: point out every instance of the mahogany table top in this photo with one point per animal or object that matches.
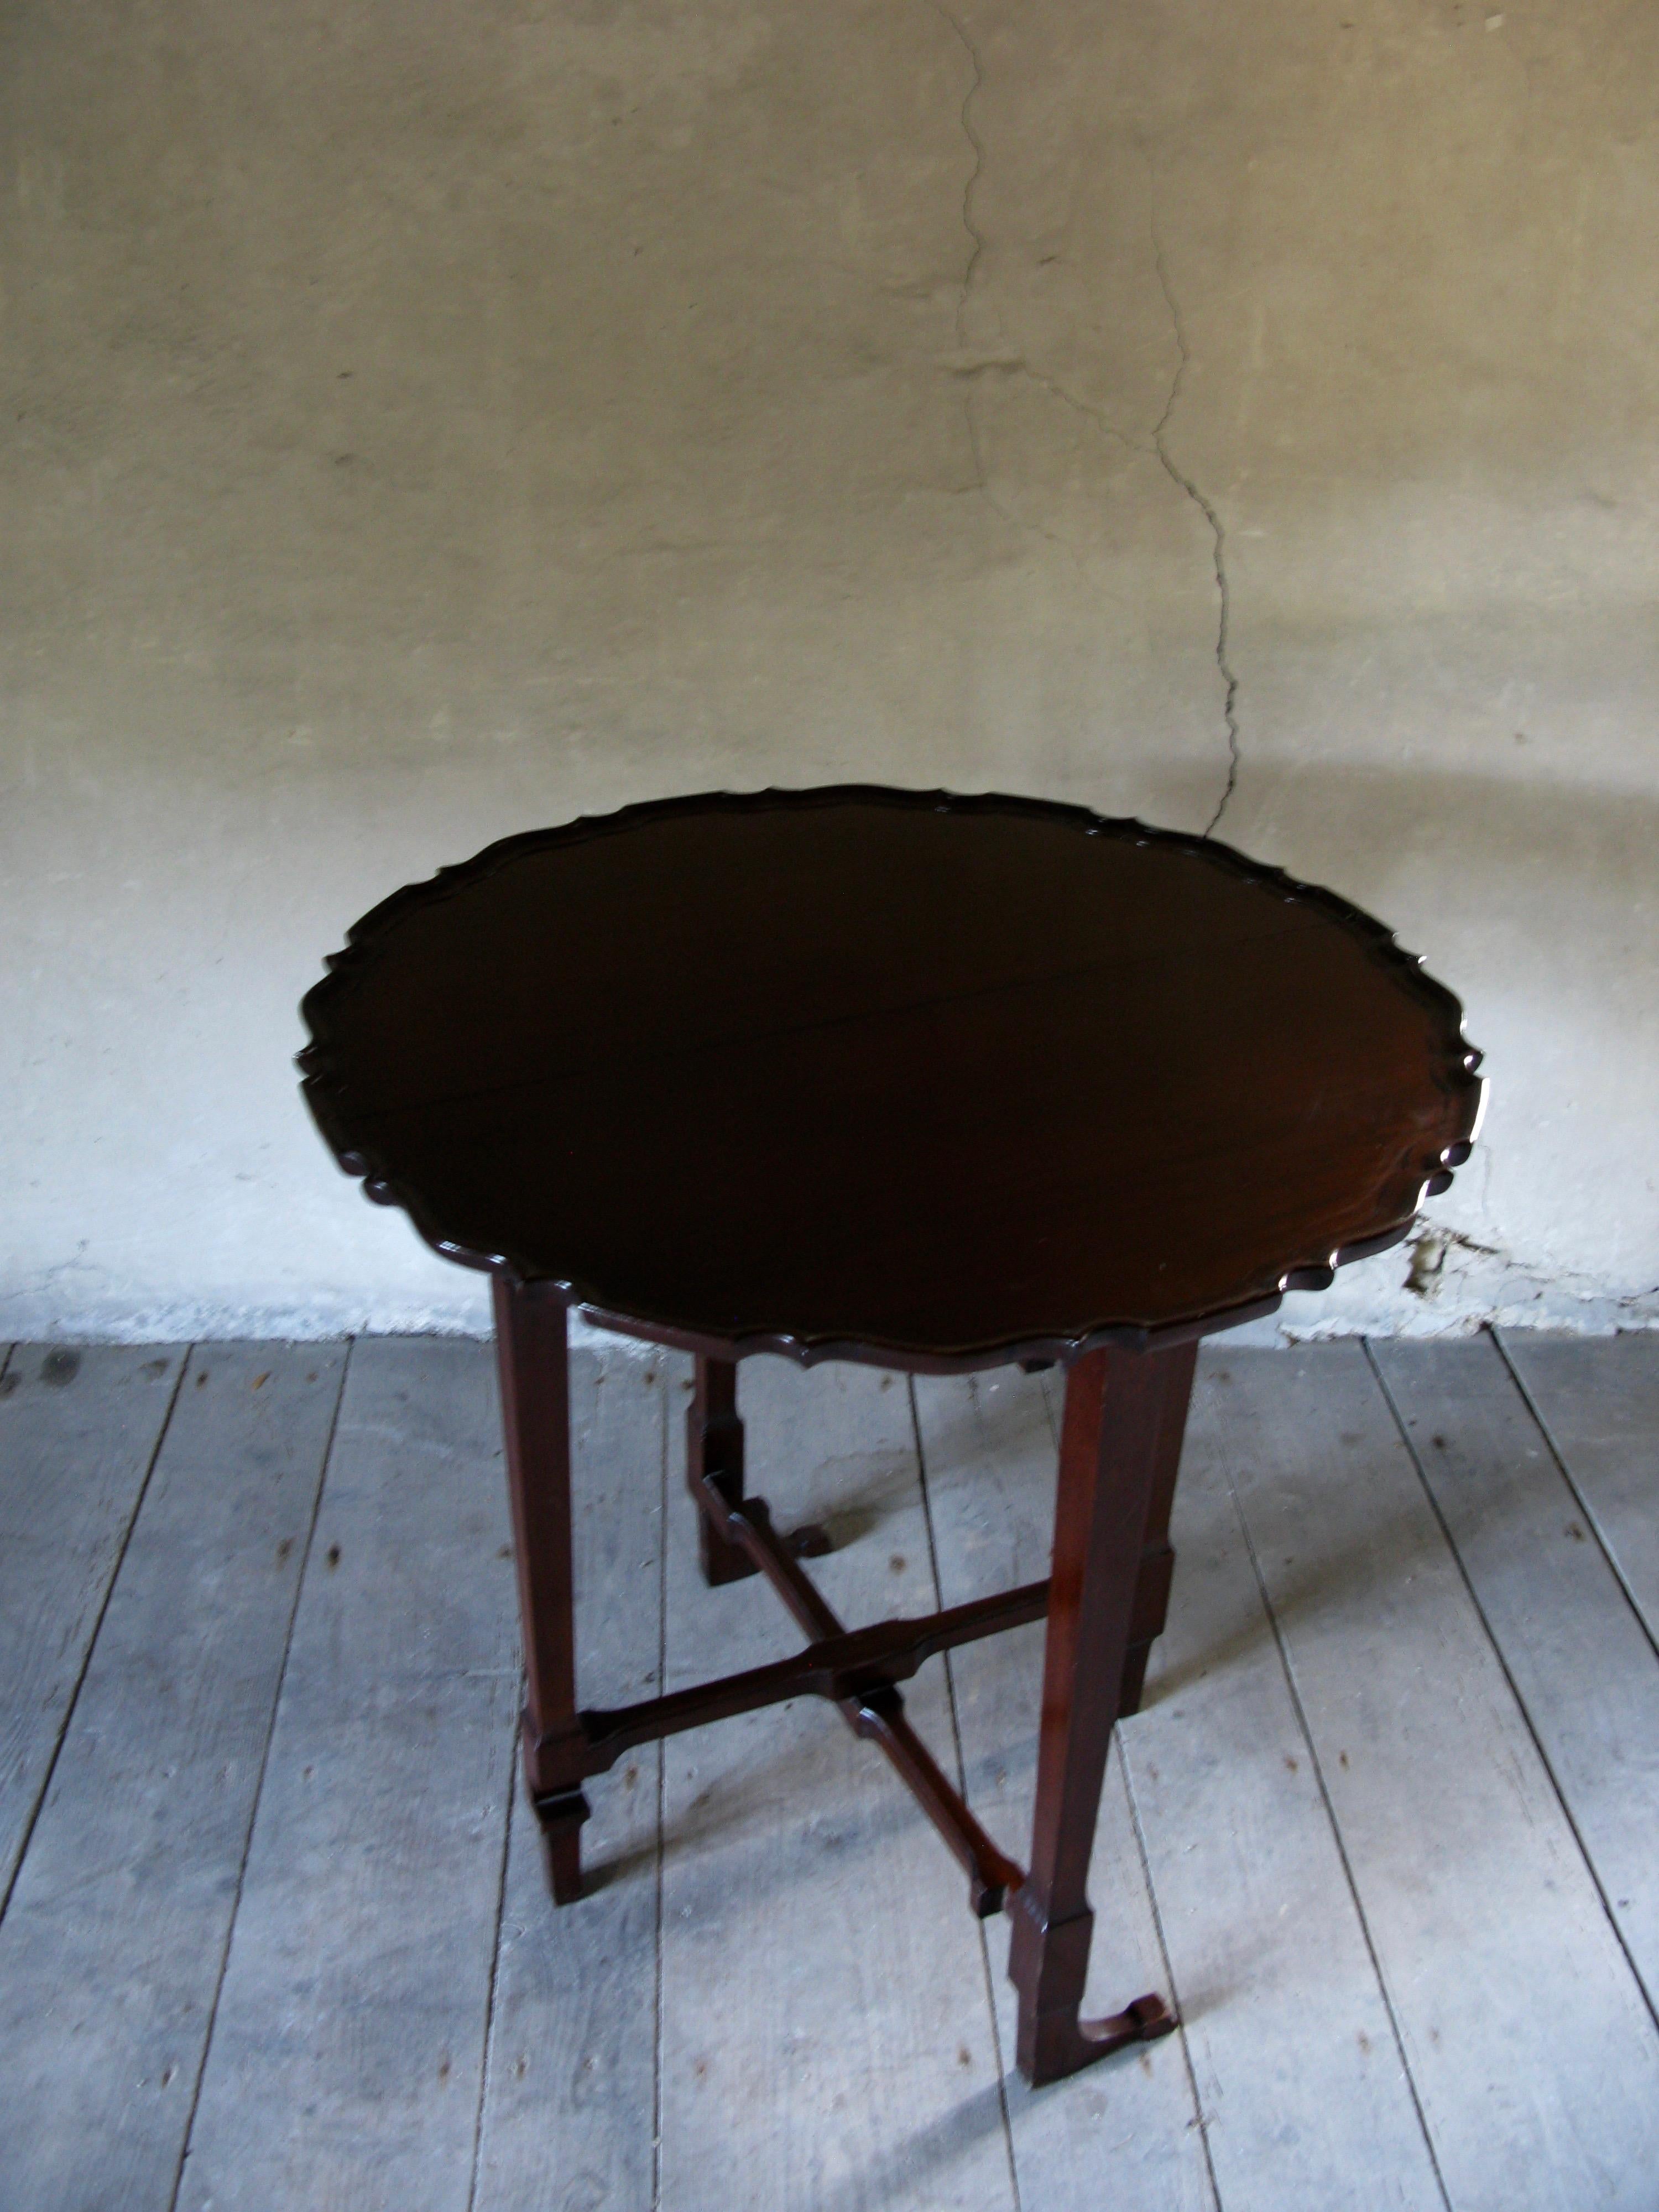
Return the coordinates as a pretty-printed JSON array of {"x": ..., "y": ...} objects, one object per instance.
[{"x": 859, "y": 1073}]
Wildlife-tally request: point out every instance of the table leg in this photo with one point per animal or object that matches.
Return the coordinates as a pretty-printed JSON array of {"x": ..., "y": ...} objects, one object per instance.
[
  {"x": 531, "y": 1351},
  {"x": 1152, "y": 1607},
  {"x": 1121, "y": 1410},
  {"x": 714, "y": 1453}
]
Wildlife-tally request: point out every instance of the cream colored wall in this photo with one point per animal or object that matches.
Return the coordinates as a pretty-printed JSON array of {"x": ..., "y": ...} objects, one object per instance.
[{"x": 426, "y": 420}]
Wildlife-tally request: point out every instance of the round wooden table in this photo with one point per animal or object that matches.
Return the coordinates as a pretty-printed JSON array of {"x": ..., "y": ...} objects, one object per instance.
[{"x": 935, "y": 1082}]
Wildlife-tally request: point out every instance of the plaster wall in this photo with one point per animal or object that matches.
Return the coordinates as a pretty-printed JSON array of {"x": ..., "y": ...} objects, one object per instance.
[{"x": 425, "y": 420}]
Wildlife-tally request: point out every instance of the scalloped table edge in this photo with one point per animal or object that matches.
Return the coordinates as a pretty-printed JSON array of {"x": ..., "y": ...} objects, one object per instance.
[{"x": 1306, "y": 1272}]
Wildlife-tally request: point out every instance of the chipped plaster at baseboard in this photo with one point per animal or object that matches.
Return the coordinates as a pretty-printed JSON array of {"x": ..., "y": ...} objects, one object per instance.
[
  {"x": 1453, "y": 1290},
  {"x": 1473, "y": 1287},
  {"x": 1430, "y": 1250}
]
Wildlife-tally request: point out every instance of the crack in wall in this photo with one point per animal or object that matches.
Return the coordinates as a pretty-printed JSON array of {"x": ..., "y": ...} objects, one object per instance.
[
  {"x": 51, "y": 1277},
  {"x": 967, "y": 365},
  {"x": 975, "y": 241},
  {"x": 982, "y": 482},
  {"x": 1015, "y": 364},
  {"x": 969, "y": 369},
  {"x": 975, "y": 236},
  {"x": 1229, "y": 700}
]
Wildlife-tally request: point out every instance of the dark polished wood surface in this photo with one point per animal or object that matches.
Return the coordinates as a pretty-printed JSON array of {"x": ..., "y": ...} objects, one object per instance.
[{"x": 889, "y": 1074}]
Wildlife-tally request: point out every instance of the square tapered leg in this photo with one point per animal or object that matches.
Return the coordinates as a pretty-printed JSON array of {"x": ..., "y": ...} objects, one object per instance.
[
  {"x": 532, "y": 1354},
  {"x": 1121, "y": 1408}
]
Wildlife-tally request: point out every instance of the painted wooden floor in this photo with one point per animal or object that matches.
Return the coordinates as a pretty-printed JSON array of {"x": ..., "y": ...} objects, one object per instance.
[{"x": 274, "y": 1933}]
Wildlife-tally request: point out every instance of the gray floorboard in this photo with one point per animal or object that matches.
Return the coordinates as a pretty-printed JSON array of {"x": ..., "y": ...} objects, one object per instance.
[
  {"x": 79, "y": 1430},
  {"x": 1599, "y": 1404},
  {"x": 1576, "y": 1652},
  {"x": 1381, "y": 1829},
  {"x": 573, "y": 2055},
  {"x": 346, "y": 2059},
  {"x": 1300, "y": 2077},
  {"x": 828, "y": 2042},
  {"x": 111, "y": 1950},
  {"x": 1528, "y": 2041}
]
